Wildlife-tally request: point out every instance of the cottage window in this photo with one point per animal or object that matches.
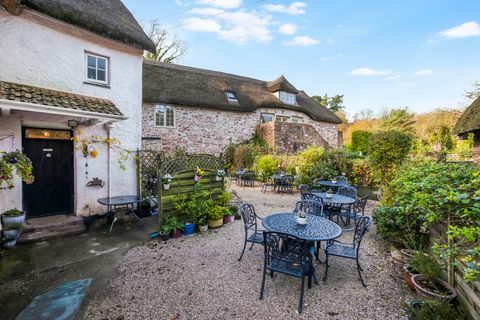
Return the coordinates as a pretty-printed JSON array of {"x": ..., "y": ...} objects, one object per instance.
[
  {"x": 296, "y": 119},
  {"x": 96, "y": 68},
  {"x": 164, "y": 116},
  {"x": 282, "y": 118},
  {"x": 267, "y": 117},
  {"x": 288, "y": 98},
  {"x": 231, "y": 96}
]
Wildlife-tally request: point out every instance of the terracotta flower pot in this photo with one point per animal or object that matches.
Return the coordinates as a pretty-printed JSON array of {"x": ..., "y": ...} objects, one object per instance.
[
  {"x": 425, "y": 292},
  {"x": 212, "y": 224},
  {"x": 407, "y": 254},
  {"x": 407, "y": 275},
  {"x": 227, "y": 219}
]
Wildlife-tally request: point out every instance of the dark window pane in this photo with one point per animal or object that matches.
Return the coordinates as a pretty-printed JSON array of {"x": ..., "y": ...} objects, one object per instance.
[
  {"x": 101, "y": 63},
  {"x": 91, "y": 61},
  {"x": 101, "y": 75},
  {"x": 91, "y": 74}
]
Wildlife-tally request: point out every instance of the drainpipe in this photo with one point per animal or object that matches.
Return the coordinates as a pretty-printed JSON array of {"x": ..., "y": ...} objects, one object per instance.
[{"x": 109, "y": 126}]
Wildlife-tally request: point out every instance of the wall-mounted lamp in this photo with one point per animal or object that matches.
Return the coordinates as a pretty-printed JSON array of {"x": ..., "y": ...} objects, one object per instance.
[{"x": 72, "y": 123}]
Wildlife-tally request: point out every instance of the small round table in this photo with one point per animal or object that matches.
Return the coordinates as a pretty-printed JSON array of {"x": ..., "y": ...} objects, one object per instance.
[
  {"x": 329, "y": 183},
  {"x": 121, "y": 201},
  {"x": 316, "y": 229},
  {"x": 335, "y": 199}
]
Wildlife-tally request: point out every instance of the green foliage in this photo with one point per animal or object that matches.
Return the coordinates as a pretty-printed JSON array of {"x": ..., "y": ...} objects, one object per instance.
[
  {"x": 217, "y": 212},
  {"x": 195, "y": 206},
  {"x": 430, "y": 309},
  {"x": 170, "y": 224},
  {"x": 13, "y": 164},
  {"x": 15, "y": 226},
  {"x": 361, "y": 141},
  {"x": 224, "y": 199},
  {"x": 314, "y": 162},
  {"x": 440, "y": 137},
  {"x": 334, "y": 103},
  {"x": 399, "y": 120},
  {"x": 361, "y": 172},
  {"x": 425, "y": 264},
  {"x": 266, "y": 164},
  {"x": 13, "y": 212},
  {"x": 389, "y": 150},
  {"x": 427, "y": 193},
  {"x": 243, "y": 155},
  {"x": 464, "y": 147}
]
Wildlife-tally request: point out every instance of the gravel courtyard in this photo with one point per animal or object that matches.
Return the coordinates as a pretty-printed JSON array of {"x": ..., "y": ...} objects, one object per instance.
[{"x": 200, "y": 278}]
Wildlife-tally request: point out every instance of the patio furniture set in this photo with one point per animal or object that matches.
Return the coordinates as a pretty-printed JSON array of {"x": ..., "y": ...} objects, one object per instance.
[{"x": 292, "y": 240}]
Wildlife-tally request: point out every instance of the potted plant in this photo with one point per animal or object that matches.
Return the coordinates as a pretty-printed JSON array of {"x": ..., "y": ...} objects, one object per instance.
[
  {"x": 13, "y": 216},
  {"x": 165, "y": 231},
  {"x": 301, "y": 218},
  {"x": 215, "y": 217},
  {"x": 13, "y": 230},
  {"x": 427, "y": 282},
  {"x": 176, "y": 226},
  {"x": 329, "y": 194},
  {"x": 198, "y": 174},
  {"x": 427, "y": 309},
  {"x": 13, "y": 164},
  {"x": 228, "y": 215},
  {"x": 220, "y": 174},
  {"x": 167, "y": 178},
  {"x": 8, "y": 242}
]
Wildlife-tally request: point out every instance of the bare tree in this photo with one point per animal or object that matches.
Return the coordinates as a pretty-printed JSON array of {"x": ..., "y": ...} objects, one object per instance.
[{"x": 169, "y": 48}]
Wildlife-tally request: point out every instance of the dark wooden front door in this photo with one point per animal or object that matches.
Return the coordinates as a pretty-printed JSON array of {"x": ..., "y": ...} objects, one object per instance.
[{"x": 51, "y": 152}]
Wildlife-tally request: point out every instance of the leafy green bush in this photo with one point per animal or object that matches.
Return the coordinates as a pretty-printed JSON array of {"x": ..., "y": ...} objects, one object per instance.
[
  {"x": 361, "y": 141},
  {"x": 429, "y": 309},
  {"x": 425, "y": 264},
  {"x": 266, "y": 164},
  {"x": 217, "y": 212},
  {"x": 243, "y": 155},
  {"x": 361, "y": 172},
  {"x": 314, "y": 162},
  {"x": 388, "y": 151},
  {"x": 194, "y": 208}
]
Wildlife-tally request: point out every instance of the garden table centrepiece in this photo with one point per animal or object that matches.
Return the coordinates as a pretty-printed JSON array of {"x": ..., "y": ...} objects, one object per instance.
[{"x": 121, "y": 201}]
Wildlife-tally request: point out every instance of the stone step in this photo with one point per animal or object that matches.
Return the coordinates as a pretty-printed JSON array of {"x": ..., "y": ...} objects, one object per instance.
[
  {"x": 51, "y": 233},
  {"x": 51, "y": 223}
]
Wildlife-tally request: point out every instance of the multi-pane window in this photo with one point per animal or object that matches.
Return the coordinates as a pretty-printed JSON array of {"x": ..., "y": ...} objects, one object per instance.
[
  {"x": 296, "y": 119},
  {"x": 281, "y": 118},
  {"x": 231, "y": 96},
  {"x": 267, "y": 117},
  {"x": 97, "y": 68},
  {"x": 288, "y": 98},
  {"x": 164, "y": 116}
]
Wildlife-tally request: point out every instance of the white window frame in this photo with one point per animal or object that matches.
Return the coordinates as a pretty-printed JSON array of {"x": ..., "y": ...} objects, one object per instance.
[
  {"x": 268, "y": 114},
  {"x": 227, "y": 92},
  {"x": 287, "y": 97},
  {"x": 297, "y": 118},
  {"x": 107, "y": 69},
  {"x": 278, "y": 116},
  {"x": 155, "y": 115}
]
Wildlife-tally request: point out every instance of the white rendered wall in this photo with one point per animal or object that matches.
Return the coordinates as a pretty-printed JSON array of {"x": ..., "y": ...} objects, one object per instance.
[{"x": 40, "y": 54}]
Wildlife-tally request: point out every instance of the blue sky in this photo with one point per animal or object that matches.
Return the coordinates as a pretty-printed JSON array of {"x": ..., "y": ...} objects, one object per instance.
[{"x": 380, "y": 54}]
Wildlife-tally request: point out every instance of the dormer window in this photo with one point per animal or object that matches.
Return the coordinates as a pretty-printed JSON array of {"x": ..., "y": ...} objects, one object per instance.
[
  {"x": 231, "y": 96},
  {"x": 286, "y": 97}
]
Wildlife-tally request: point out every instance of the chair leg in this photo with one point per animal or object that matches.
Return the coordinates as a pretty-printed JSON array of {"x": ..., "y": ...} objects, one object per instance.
[
  {"x": 302, "y": 289},
  {"x": 360, "y": 274},
  {"x": 317, "y": 251},
  {"x": 252, "y": 245},
  {"x": 263, "y": 282},
  {"x": 244, "y": 246},
  {"x": 326, "y": 267},
  {"x": 310, "y": 280},
  {"x": 271, "y": 274}
]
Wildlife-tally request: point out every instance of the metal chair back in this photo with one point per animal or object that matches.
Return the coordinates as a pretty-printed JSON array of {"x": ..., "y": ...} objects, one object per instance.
[
  {"x": 360, "y": 229},
  {"x": 249, "y": 216},
  {"x": 311, "y": 196},
  {"x": 310, "y": 207},
  {"x": 285, "y": 248},
  {"x": 304, "y": 188},
  {"x": 342, "y": 179},
  {"x": 348, "y": 191},
  {"x": 359, "y": 206}
]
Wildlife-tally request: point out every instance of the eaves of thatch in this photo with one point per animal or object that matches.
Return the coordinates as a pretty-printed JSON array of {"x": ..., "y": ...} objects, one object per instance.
[{"x": 470, "y": 119}]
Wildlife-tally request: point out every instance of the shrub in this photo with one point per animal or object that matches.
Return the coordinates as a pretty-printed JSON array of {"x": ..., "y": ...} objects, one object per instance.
[
  {"x": 430, "y": 309},
  {"x": 266, "y": 164},
  {"x": 388, "y": 151},
  {"x": 361, "y": 172},
  {"x": 314, "y": 162},
  {"x": 361, "y": 141},
  {"x": 217, "y": 212}
]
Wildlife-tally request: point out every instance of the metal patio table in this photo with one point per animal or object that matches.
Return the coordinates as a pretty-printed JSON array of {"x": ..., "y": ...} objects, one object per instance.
[
  {"x": 335, "y": 199},
  {"x": 329, "y": 183},
  {"x": 128, "y": 202}
]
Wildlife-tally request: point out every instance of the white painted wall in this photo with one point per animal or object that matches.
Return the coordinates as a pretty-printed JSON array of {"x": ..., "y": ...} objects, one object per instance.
[{"x": 40, "y": 55}]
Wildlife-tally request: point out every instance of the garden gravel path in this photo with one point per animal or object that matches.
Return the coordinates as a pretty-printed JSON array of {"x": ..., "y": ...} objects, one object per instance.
[{"x": 200, "y": 278}]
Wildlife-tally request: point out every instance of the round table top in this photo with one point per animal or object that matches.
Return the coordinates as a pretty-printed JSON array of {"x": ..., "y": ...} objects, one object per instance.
[
  {"x": 335, "y": 199},
  {"x": 316, "y": 229},
  {"x": 329, "y": 183},
  {"x": 120, "y": 200}
]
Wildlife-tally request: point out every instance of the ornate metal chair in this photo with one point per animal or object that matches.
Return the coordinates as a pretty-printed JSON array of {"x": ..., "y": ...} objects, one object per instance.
[
  {"x": 286, "y": 184},
  {"x": 310, "y": 207},
  {"x": 248, "y": 179},
  {"x": 288, "y": 255},
  {"x": 342, "y": 179},
  {"x": 304, "y": 188},
  {"x": 346, "y": 250},
  {"x": 311, "y": 196},
  {"x": 252, "y": 234},
  {"x": 348, "y": 191}
]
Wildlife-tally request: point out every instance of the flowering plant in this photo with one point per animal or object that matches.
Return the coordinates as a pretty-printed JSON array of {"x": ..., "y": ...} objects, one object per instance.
[
  {"x": 220, "y": 172},
  {"x": 167, "y": 178},
  {"x": 199, "y": 172},
  {"x": 14, "y": 163}
]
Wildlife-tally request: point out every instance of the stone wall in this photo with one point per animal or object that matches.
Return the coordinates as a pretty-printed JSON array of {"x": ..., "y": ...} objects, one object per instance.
[
  {"x": 293, "y": 137},
  {"x": 202, "y": 130}
]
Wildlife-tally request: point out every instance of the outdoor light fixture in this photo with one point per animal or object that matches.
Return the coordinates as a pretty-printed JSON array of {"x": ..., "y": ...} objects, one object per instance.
[{"x": 72, "y": 123}]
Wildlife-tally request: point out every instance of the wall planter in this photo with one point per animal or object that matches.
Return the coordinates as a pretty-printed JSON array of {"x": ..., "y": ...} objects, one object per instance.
[
  {"x": 166, "y": 186},
  {"x": 188, "y": 229},
  {"x": 13, "y": 216},
  {"x": 227, "y": 219},
  {"x": 442, "y": 291},
  {"x": 176, "y": 233},
  {"x": 217, "y": 223}
]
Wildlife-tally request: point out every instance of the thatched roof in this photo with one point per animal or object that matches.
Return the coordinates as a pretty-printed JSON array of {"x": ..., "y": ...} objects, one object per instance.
[
  {"x": 181, "y": 85},
  {"x": 47, "y": 97},
  {"x": 470, "y": 119},
  {"x": 108, "y": 18},
  {"x": 281, "y": 84}
]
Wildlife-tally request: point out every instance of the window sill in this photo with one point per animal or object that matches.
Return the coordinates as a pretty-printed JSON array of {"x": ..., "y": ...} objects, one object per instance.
[{"x": 103, "y": 85}]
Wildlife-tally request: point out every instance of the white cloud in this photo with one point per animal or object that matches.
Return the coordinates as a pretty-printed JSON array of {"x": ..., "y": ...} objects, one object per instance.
[
  {"x": 202, "y": 25},
  {"x": 205, "y": 11},
  {"x": 288, "y": 28},
  {"x": 368, "y": 72},
  {"x": 331, "y": 58},
  {"x": 294, "y": 8},
  {"x": 304, "y": 41},
  {"x": 225, "y": 4},
  {"x": 468, "y": 29},
  {"x": 422, "y": 73}
]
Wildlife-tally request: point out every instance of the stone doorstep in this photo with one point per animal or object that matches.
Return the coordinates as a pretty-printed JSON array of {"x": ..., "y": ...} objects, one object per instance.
[
  {"x": 39, "y": 229},
  {"x": 51, "y": 234}
]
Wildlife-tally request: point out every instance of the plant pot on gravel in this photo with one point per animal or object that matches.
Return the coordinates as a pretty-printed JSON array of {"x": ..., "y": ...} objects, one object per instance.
[
  {"x": 13, "y": 216},
  {"x": 176, "y": 233},
  {"x": 203, "y": 228},
  {"x": 407, "y": 276},
  {"x": 215, "y": 217},
  {"x": 228, "y": 216},
  {"x": 188, "y": 229},
  {"x": 433, "y": 288}
]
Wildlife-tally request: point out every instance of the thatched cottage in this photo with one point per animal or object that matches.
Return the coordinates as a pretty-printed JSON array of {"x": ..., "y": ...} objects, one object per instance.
[
  {"x": 70, "y": 70},
  {"x": 469, "y": 122},
  {"x": 202, "y": 111}
]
